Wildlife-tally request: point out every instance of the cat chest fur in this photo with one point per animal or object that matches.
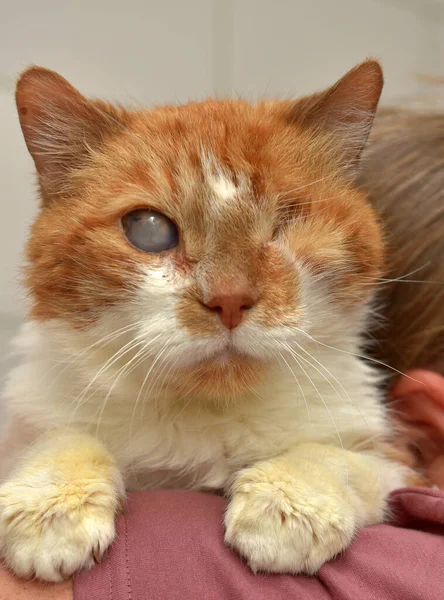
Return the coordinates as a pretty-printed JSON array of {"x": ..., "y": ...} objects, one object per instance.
[
  {"x": 202, "y": 449},
  {"x": 166, "y": 443}
]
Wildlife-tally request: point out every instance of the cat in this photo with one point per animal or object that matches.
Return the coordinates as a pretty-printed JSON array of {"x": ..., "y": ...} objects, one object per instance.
[{"x": 200, "y": 278}]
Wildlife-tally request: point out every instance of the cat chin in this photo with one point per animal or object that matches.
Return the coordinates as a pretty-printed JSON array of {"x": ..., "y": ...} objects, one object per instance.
[
  {"x": 224, "y": 357},
  {"x": 227, "y": 356},
  {"x": 228, "y": 359},
  {"x": 226, "y": 375}
]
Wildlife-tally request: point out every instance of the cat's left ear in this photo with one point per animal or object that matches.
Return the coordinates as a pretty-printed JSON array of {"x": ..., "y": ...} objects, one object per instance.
[
  {"x": 346, "y": 110},
  {"x": 60, "y": 126}
]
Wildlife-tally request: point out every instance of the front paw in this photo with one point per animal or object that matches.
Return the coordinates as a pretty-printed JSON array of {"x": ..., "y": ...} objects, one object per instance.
[
  {"x": 57, "y": 520},
  {"x": 283, "y": 522}
]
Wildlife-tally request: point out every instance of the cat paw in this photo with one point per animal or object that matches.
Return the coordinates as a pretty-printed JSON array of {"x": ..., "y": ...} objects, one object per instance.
[
  {"x": 51, "y": 527},
  {"x": 284, "y": 523}
]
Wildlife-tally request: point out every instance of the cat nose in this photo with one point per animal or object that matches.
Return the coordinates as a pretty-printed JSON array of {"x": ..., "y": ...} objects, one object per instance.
[{"x": 231, "y": 306}]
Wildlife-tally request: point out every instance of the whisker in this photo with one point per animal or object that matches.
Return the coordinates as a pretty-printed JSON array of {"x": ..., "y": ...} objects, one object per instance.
[
  {"x": 150, "y": 370},
  {"x": 302, "y": 187},
  {"x": 160, "y": 385},
  {"x": 96, "y": 345},
  {"x": 330, "y": 414},
  {"x": 322, "y": 400},
  {"x": 128, "y": 347},
  {"x": 374, "y": 360},
  {"x": 81, "y": 398},
  {"x": 353, "y": 404},
  {"x": 124, "y": 371},
  {"x": 299, "y": 385},
  {"x": 155, "y": 380},
  {"x": 130, "y": 433}
]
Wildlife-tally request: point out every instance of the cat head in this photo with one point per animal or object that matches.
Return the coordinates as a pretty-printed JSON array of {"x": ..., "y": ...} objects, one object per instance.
[{"x": 215, "y": 235}]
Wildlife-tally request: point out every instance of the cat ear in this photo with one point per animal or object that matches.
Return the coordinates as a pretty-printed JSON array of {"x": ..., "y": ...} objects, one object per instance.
[
  {"x": 346, "y": 109},
  {"x": 60, "y": 126}
]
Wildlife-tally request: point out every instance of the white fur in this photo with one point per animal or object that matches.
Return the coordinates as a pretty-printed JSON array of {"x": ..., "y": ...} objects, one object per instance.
[
  {"x": 60, "y": 533},
  {"x": 223, "y": 188},
  {"x": 223, "y": 192},
  {"x": 297, "y": 403},
  {"x": 105, "y": 382}
]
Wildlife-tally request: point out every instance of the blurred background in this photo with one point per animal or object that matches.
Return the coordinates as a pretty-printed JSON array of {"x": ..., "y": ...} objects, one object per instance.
[{"x": 153, "y": 51}]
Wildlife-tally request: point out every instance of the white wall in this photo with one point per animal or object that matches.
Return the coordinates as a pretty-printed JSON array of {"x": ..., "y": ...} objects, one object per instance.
[
  {"x": 302, "y": 46},
  {"x": 154, "y": 51}
]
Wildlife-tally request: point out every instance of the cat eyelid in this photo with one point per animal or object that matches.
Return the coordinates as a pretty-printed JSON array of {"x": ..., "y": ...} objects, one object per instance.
[
  {"x": 155, "y": 207},
  {"x": 282, "y": 223}
]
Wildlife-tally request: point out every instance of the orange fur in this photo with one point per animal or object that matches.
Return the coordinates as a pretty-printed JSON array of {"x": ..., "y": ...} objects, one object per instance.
[
  {"x": 79, "y": 262},
  {"x": 237, "y": 365},
  {"x": 292, "y": 200}
]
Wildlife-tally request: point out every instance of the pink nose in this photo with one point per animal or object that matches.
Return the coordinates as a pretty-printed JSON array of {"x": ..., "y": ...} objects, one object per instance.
[{"x": 231, "y": 307}]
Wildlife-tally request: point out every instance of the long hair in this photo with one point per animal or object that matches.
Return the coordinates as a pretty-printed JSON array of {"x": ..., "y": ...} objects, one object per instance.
[{"x": 404, "y": 175}]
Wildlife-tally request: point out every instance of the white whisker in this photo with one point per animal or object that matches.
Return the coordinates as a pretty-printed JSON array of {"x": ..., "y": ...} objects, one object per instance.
[
  {"x": 322, "y": 400},
  {"x": 374, "y": 360},
  {"x": 299, "y": 386}
]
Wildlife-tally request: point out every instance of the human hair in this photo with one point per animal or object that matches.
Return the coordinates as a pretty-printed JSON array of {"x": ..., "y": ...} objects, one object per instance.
[{"x": 404, "y": 175}]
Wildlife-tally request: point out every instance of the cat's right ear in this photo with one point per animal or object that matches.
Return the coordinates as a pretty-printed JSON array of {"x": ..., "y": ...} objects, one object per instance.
[
  {"x": 60, "y": 126},
  {"x": 346, "y": 110}
]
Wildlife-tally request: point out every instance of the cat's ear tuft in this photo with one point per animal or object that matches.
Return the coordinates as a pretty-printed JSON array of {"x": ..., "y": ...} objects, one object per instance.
[
  {"x": 60, "y": 126},
  {"x": 346, "y": 109}
]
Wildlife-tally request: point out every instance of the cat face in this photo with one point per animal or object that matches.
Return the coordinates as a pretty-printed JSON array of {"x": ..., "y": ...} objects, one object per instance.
[{"x": 217, "y": 233}]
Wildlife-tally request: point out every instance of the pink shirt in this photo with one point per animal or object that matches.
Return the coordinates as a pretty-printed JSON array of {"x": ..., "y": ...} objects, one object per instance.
[{"x": 170, "y": 546}]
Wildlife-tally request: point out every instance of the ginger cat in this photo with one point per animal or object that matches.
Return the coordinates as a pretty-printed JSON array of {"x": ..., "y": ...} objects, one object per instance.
[{"x": 200, "y": 279}]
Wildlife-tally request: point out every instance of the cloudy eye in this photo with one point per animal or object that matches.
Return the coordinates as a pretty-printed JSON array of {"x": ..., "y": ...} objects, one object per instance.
[{"x": 150, "y": 231}]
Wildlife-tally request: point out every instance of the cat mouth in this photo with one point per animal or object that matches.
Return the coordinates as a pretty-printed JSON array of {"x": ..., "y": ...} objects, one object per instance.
[
  {"x": 232, "y": 349},
  {"x": 226, "y": 355},
  {"x": 229, "y": 353},
  {"x": 228, "y": 358}
]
